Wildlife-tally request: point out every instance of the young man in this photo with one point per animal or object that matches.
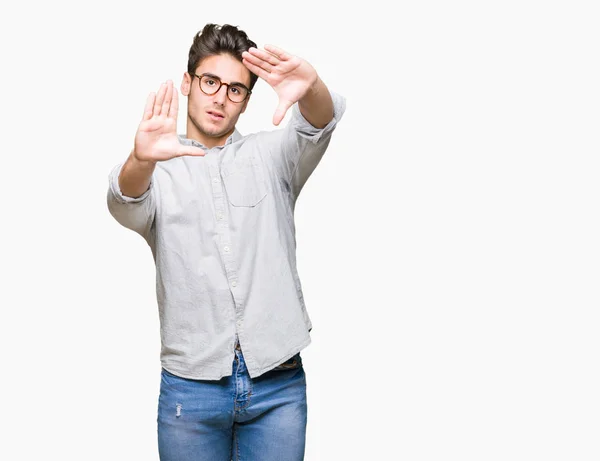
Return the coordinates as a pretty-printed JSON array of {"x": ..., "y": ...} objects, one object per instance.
[{"x": 217, "y": 210}]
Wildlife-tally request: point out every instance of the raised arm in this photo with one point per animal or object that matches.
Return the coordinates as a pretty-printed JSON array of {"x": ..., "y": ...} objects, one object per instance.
[
  {"x": 156, "y": 140},
  {"x": 130, "y": 199},
  {"x": 297, "y": 149}
]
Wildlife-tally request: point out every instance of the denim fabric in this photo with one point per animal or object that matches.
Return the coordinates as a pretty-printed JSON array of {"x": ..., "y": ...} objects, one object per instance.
[{"x": 235, "y": 418}]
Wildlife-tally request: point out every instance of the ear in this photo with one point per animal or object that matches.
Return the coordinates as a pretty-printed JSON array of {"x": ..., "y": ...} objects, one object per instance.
[
  {"x": 245, "y": 104},
  {"x": 186, "y": 84}
]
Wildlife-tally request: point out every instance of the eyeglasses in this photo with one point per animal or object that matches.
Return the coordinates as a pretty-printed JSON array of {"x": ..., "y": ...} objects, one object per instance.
[{"x": 211, "y": 84}]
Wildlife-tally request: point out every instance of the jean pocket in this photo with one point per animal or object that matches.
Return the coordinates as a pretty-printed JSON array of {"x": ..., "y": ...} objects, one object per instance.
[
  {"x": 244, "y": 181},
  {"x": 290, "y": 364}
]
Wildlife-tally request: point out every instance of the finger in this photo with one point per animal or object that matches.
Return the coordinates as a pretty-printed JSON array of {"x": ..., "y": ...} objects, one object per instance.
[
  {"x": 190, "y": 151},
  {"x": 257, "y": 61},
  {"x": 167, "y": 101},
  {"x": 160, "y": 96},
  {"x": 149, "y": 109},
  {"x": 263, "y": 55},
  {"x": 282, "y": 55},
  {"x": 280, "y": 112},
  {"x": 255, "y": 69},
  {"x": 174, "y": 108}
]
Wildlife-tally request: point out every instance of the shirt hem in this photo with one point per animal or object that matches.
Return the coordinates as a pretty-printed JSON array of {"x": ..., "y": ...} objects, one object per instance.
[
  {"x": 181, "y": 374},
  {"x": 255, "y": 374}
]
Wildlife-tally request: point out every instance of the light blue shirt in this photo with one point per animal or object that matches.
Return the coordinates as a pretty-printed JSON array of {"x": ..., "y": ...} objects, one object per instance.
[{"x": 221, "y": 230}]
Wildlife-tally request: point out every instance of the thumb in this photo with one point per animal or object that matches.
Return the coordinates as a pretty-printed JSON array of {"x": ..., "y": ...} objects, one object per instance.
[
  {"x": 190, "y": 150},
  {"x": 281, "y": 110}
]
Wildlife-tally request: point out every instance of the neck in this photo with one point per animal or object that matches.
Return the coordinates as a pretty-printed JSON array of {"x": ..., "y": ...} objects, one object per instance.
[{"x": 192, "y": 132}]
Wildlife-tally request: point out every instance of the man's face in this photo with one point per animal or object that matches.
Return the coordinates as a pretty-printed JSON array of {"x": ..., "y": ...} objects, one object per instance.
[{"x": 212, "y": 118}]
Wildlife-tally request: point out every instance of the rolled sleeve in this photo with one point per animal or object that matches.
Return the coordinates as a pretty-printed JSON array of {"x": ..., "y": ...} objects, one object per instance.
[
  {"x": 113, "y": 180},
  {"x": 307, "y": 131},
  {"x": 135, "y": 213},
  {"x": 303, "y": 146}
]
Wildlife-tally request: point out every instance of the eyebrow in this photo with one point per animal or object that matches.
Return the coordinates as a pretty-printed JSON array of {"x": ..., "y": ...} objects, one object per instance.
[{"x": 208, "y": 74}]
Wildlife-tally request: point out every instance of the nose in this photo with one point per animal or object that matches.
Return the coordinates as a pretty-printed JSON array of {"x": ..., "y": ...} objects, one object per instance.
[{"x": 221, "y": 95}]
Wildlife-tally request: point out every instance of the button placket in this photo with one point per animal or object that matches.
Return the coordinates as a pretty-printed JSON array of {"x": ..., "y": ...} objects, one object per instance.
[{"x": 225, "y": 247}]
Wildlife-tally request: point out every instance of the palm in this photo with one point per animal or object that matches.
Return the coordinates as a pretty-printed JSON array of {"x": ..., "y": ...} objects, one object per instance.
[
  {"x": 290, "y": 76},
  {"x": 292, "y": 84},
  {"x": 156, "y": 138}
]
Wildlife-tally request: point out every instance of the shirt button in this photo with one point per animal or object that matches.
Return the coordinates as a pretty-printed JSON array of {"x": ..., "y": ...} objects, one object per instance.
[
  {"x": 226, "y": 249},
  {"x": 220, "y": 216},
  {"x": 215, "y": 180},
  {"x": 234, "y": 284}
]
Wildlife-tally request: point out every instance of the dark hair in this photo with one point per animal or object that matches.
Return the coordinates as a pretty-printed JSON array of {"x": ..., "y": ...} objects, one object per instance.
[{"x": 214, "y": 40}]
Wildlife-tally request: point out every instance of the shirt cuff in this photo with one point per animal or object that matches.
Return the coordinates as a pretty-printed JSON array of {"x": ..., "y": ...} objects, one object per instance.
[
  {"x": 113, "y": 181},
  {"x": 306, "y": 130}
]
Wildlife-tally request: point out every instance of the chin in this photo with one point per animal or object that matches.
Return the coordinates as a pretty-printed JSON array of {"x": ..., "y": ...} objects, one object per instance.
[
  {"x": 217, "y": 134},
  {"x": 211, "y": 130}
]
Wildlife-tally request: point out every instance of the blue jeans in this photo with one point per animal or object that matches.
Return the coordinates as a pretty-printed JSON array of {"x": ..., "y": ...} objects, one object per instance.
[{"x": 236, "y": 417}]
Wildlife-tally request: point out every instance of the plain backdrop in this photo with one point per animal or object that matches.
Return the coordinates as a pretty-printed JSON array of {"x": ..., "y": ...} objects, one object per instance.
[{"x": 447, "y": 243}]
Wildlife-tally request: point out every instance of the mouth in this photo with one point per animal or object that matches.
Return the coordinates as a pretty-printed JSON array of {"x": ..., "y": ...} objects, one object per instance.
[{"x": 214, "y": 115}]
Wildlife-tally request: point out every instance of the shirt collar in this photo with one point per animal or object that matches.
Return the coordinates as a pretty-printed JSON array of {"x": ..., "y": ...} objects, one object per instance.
[{"x": 234, "y": 137}]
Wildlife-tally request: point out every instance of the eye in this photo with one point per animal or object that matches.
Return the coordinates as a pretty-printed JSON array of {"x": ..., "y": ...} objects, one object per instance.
[
  {"x": 210, "y": 82},
  {"x": 235, "y": 90}
]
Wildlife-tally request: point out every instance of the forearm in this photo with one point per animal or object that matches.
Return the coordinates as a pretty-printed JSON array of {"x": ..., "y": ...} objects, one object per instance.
[
  {"x": 316, "y": 106},
  {"x": 135, "y": 176}
]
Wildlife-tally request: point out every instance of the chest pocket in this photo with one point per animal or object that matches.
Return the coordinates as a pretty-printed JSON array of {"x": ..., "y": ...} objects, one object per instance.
[{"x": 244, "y": 181}]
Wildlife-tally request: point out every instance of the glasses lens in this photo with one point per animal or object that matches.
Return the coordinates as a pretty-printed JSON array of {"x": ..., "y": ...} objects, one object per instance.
[
  {"x": 237, "y": 93},
  {"x": 209, "y": 85}
]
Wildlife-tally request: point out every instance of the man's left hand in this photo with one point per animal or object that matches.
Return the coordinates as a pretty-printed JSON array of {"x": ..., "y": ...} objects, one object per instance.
[{"x": 290, "y": 76}]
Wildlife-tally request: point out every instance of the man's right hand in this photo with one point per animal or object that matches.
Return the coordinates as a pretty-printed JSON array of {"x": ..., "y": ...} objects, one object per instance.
[{"x": 156, "y": 138}]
